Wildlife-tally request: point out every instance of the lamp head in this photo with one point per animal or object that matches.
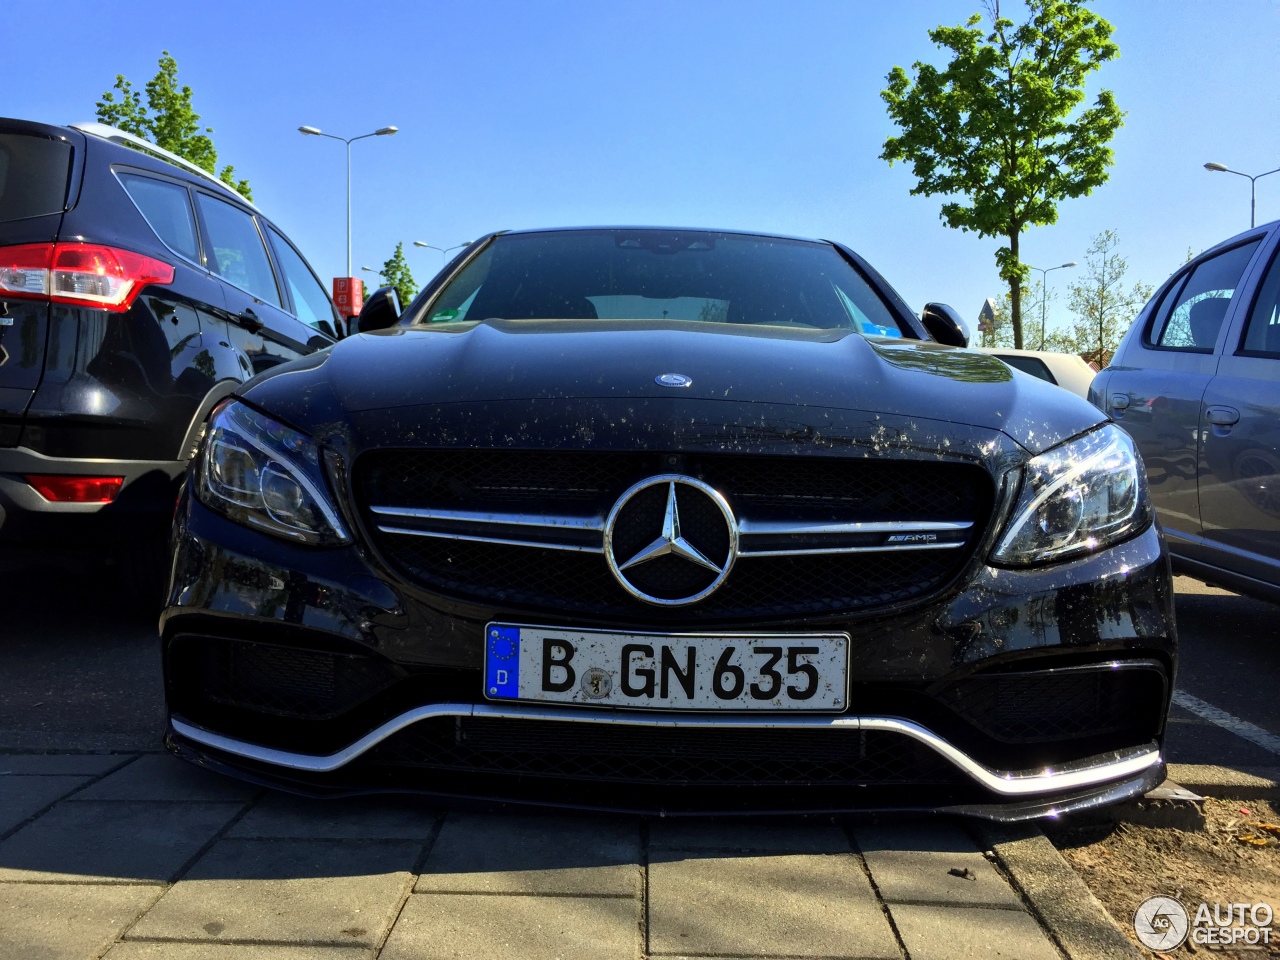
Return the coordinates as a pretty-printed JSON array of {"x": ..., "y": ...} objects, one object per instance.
[
  {"x": 419, "y": 243},
  {"x": 309, "y": 131},
  {"x": 385, "y": 131},
  {"x": 1070, "y": 263},
  {"x": 1216, "y": 167}
]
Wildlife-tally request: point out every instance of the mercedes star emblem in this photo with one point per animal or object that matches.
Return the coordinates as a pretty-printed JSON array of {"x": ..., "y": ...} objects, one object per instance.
[
  {"x": 672, "y": 380},
  {"x": 658, "y": 560}
]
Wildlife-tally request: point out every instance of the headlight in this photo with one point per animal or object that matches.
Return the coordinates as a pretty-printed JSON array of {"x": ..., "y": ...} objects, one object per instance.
[
  {"x": 1077, "y": 498},
  {"x": 265, "y": 475}
]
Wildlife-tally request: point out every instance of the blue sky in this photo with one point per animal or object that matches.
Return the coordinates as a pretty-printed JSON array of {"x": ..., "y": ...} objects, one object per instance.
[{"x": 756, "y": 115}]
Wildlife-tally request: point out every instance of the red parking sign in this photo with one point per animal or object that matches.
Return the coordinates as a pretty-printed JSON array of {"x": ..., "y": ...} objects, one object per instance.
[{"x": 348, "y": 295}]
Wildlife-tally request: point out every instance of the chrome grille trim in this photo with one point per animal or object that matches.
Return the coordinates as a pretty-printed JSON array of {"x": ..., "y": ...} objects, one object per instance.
[
  {"x": 542, "y": 529},
  {"x": 746, "y": 551},
  {"x": 1009, "y": 783},
  {"x": 504, "y": 541},
  {"x": 774, "y": 528},
  {"x": 489, "y": 516}
]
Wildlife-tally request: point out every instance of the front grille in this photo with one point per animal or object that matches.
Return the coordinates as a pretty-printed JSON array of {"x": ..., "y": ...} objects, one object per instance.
[
  {"x": 581, "y": 583},
  {"x": 279, "y": 680},
  {"x": 1039, "y": 706},
  {"x": 828, "y": 487},
  {"x": 577, "y": 483},
  {"x": 417, "y": 478},
  {"x": 604, "y": 752}
]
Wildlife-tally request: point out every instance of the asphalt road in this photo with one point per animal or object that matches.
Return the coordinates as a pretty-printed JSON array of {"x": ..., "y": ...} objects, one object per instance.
[
  {"x": 80, "y": 671},
  {"x": 1229, "y": 658}
]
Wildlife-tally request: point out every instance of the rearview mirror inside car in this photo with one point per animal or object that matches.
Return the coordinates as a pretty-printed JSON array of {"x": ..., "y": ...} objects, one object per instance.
[
  {"x": 380, "y": 311},
  {"x": 945, "y": 325}
]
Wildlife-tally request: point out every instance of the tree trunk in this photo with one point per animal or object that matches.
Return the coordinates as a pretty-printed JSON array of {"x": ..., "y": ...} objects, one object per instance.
[{"x": 1015, "y": 289}]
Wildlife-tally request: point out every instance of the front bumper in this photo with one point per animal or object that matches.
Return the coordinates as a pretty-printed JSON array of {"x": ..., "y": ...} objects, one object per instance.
[
  {"x": 1009, "y": 795},
  {"x": 1100, "y": 627}
]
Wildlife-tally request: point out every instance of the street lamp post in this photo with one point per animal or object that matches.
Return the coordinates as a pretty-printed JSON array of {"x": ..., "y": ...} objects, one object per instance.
[
  {"x": 316, "y": 132},
  {"x": 1253, "y": 183},
  {"x": 444, "y": 251},
  {"x": 1044, "y": 292}
]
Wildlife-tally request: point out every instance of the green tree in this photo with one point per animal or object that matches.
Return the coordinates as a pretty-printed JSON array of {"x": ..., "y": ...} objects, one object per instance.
[
  {"x": 1104, "y": 307},
  {"x": 167, "y": 119},
  {"x": 395, "y": 273},
  {"x": 996, "y": 131}
]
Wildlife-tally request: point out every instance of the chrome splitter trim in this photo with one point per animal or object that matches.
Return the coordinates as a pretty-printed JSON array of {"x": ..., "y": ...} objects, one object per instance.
[{"x": 1013, "y": 783}]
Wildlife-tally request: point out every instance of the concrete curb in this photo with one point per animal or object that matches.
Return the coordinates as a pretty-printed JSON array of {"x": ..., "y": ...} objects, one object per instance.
[{"x": 1076, "y": 920}]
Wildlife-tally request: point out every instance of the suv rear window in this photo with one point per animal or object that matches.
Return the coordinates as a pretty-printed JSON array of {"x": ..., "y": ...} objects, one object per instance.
[{"x": 33, "y": 176}]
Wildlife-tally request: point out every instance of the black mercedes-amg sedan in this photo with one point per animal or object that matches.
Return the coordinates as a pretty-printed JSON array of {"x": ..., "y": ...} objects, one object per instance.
[{"x": 679, "y": 521}]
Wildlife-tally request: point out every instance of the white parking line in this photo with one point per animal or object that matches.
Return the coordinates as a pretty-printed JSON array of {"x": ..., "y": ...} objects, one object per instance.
[{"x": 1241, "y": 728}]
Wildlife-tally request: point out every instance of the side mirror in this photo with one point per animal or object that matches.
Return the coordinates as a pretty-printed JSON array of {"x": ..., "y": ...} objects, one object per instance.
[
  {"x": 380, "y": 311},
  {"x": 945, "y": 325}
]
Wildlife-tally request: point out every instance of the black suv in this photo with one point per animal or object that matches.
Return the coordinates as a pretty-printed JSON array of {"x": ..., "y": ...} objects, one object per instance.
[{"x": 136, "y": 291}]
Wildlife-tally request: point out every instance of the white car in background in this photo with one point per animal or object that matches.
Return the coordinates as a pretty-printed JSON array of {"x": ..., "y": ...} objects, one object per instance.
[{"x": 1065, "y": 369}]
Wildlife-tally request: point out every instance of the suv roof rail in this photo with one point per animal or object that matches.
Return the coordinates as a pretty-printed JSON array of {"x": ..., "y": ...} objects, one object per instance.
[{"x": 115, "y": 135}]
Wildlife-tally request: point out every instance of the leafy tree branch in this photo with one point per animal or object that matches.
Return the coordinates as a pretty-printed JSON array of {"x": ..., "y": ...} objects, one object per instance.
[{"x": 167, "y": 119}]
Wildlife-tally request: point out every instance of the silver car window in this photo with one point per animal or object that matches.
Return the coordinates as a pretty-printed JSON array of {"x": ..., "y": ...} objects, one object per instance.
[
  {"x": 1191, "y": 315},
  {"x": 1262, "y": 336}
]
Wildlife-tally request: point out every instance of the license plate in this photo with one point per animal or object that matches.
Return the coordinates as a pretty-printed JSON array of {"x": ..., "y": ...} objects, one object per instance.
[{"x": 790, "y": 672}]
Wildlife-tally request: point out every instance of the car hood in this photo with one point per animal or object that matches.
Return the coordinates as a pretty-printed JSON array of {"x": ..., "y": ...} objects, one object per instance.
[{"x": 379, "y": 378}]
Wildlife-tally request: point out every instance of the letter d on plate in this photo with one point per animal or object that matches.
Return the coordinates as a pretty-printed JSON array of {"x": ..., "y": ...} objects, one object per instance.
[{"x": 502, "y": 662}]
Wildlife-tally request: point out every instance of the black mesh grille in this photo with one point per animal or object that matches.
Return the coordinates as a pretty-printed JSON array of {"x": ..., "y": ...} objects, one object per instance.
[
  {"x": 1041, "y": 706},
  {"x": 581, "y": 582},
  {"x": 761, "y": 487},
  {"x": 285, "y": 681},
  {"x": 856, "y": 489},
  {"x": 461, "y": 477},
  {"x": 704, "y": 757}
]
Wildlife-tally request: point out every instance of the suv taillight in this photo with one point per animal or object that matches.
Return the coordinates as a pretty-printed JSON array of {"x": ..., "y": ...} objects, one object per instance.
[{"x": 84, "y": 274}]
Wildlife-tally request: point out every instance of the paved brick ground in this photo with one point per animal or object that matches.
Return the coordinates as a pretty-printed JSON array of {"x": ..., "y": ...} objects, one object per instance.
[{"x": 141, "y": 857}]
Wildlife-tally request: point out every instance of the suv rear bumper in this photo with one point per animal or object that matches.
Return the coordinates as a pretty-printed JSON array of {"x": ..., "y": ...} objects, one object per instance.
[{"x": 146, "y": 498}]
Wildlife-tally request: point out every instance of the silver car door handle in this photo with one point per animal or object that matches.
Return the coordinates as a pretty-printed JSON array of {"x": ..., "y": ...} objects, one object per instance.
[
  {"x": 1223, "y": 416},
  {"x": 1119, "y": 401}
]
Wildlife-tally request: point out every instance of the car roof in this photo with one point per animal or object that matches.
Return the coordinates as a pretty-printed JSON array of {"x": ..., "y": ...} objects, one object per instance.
[
  {"x": 633, "y": 226},
  {"x": 1252, "y": 233},
  {"x": 122, "y": 138}
]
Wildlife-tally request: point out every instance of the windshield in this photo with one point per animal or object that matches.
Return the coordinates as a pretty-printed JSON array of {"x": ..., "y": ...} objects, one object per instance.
[{"x": 663, "y": 275}]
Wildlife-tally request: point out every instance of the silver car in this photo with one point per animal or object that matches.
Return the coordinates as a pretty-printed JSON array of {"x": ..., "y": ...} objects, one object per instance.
[{"x": 1196, "y": 382}]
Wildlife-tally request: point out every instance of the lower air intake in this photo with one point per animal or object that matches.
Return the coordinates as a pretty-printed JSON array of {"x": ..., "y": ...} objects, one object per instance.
[{"x": 680, "y": 757}]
